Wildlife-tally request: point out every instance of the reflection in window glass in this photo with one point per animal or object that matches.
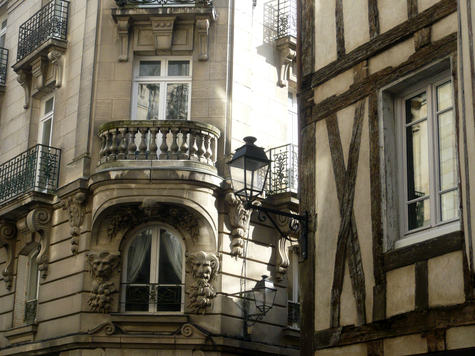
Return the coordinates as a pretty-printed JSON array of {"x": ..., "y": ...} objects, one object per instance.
[{"x": 177, "y": 101}]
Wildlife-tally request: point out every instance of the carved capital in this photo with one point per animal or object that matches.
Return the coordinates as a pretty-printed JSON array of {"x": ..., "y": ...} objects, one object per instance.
[
  {"x": 123, "y": 25},
  {"x": 204, "y": 269},
  {"x": 103, "y": 266},
  {"x": 202, "y": 26},
  {"x": 75, "y": 205},
  {"x": 162, "y": 28},
  {"x": 54, "y": 56},
  {"x": 24, "y": 78},
  {"x": 239, "y": 219},
  {"x": 8, "y": 234}
]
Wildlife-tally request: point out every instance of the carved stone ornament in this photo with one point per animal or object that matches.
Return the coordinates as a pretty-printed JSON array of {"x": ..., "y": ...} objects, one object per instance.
[
  {"x": 239, "y": 219},
  {"x": 8, "y": 240},
  {"x": 76, "y": 210},
  {"x": 285, "y": 224},
  {"x": 123, "y": 25},
  {"x": 24, "y": 78},
  {"x": 103, "y": 267},
  {"x": 287, "y": 50},
  {"x": 54, "y": 56},
  {"x": 151, "y": 209},
  {"x": 204, "y": 269},
  {"x": 202, "y": 26},
  {"x": 37, "y": 228},
  {"x": 39, "y": 70},
  {"x": 162, "y": 28}
]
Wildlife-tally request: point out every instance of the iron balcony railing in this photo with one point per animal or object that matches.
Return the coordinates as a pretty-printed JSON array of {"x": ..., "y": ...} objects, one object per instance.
[
  {"x": 3, "y": 65},
  {"x": 283, "y": 174},
  {"x": 36, "y": 169},
  {"x": 30, "y": 311},
  {"x": 286, "y": 18},
  {"x": 293, "y": 314},
  {"x": 164, "y": 3},
  {"x": 153, "y": 297},
  {"x": 50, "y": 22}
]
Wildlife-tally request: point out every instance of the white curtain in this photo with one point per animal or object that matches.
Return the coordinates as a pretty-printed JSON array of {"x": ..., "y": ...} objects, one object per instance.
[
  {"x": 174, "y": 251},
  {"x": 137, "y": 254}
]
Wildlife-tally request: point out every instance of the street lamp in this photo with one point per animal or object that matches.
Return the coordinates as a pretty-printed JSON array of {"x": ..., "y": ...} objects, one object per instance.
[{"x": 249, "y": 168}]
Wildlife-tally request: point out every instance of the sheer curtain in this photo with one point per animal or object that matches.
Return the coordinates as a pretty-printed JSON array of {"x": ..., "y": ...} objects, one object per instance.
[
  {"x": 137, "y": 255},
  {"x": 174, "y": 252}
]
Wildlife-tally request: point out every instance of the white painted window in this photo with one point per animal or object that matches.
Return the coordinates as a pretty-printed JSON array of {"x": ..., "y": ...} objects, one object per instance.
[
  {"x": 292, "y": 125},
  {"x": 3, "y": 31},
  {"x": 426, "y": 186},
  {"x": 46, "y": 121},
  {"x": 153, "y": 272},
  {"x": 162, "y": 88},
  {"x": 32, "y": 287},
  {"x": 293, "y": 297}
]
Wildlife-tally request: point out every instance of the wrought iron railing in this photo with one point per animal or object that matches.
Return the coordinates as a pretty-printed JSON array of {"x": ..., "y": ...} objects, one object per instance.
[
  {"x": 30, "y": 311},
  {"x": 283, "y": 174},
  {"x": 51, "y": 21},
  {"x": 286, "y": 18},
  {"x": 200, "y": 3},
  {"x": 3, "y": 65},
  {"x": 36, "y": 169},
  {"x": 293, "y": 315},
  {"x": 162, "y": 297}
]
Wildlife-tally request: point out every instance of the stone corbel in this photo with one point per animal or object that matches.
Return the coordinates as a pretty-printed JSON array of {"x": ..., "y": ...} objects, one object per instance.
[
  {"x": 24, "y": 78},
  {"x": 37, "y": 227},
  {"x": 123, "y": 25},
  {"x": 75, "y": 205},
  {"x": 8, "y": 240},
  {"x": 283, "y": 260},
  {"x": 54, "y": 56},
  {"x": 202, "y": 26},
  {"x": 239, "y": 219},
  {"x": 286, "y": 57},
  {"x": 204, "y": 269},
  {"x": 162, "y": 28},
  {"x": 39, "y": 69}
]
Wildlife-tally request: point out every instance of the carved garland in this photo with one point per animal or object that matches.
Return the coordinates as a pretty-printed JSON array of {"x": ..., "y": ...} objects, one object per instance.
[
  {"x": 76, "y": 210},
  {"x": 7, "y": 240},
  {"x": 204, "y": 269}
]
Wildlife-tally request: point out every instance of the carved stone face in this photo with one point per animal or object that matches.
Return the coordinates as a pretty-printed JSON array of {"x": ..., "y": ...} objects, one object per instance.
[
  {"x": 203, "y": 266},
  {"x": 103, "y": 265},
  {"x": 102, "y": 268},
  {"x": 202, "y": 269}
]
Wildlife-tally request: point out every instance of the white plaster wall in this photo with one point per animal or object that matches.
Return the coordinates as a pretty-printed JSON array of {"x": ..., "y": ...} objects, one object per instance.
[
  {"x": 352, "y": 350},
  {"x": 391, "y": 14},
  {"x": 425, "y": 4},
  {"x": 392, "y": 57},
  {"x": 405, "y": 345},
  {"x": 335, "y": 86},
  {"x": 356, "y": 23},
  {"x": 400, "y": 292},
  {"x": 325, "y": 33},
  {"x": 446, "y": 285},
  {"x": 460, "y": 337},
  {"x": 444, "y": 27}
]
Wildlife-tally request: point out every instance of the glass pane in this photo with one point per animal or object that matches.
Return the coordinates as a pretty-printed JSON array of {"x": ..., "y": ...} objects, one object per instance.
[
  {"x": 46, "y": 137},
  {"x": 444, "y": 96},
  {"x": 138, "y": 258},
  {"x": 2, "y": 41},
  {"x": 448, "y": 174},
  {"x": 148, "y": 101},
  {"x": 33, "y": 276},
  {"x": 150, "y": 69},
  {"x": 171, "y": 259},
  {"x": 419, "y": 214},
  {"x": 448, "y": 205},
  {"x": 417, "y": 161},
  {"x": 177, "y": 101},
  {"x": 416, "y": 108},
  {"x": 4, "y": 24},
  {"x": 49, "y": 106},
  {"x": 168, "y": 298},
  {"x": 178, "y": 68}
]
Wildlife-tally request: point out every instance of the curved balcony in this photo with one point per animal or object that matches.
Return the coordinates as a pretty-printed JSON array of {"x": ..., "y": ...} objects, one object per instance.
[{"x": 175, "y": 144}]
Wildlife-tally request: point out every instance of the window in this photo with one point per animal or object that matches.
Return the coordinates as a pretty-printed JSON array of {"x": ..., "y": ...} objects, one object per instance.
[
  {"x": 46, "y": 121},
  {"x": 292, "y": 125},
  {"x": 3, "y": 31},
  {"x": 162, "y": 88},
  {"x": 293, "y": 298},
  {"x": 32, "y": 287},
  {"x": 425, "y": 182},
  {"x": 153, "y": 278}
]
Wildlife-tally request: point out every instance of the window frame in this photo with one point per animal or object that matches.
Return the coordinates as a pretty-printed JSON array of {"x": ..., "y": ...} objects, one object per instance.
[
  {"x": 44, "y": 117},
  {"x": 154, "y": 263},
  {"x": 162, "y": 80}
]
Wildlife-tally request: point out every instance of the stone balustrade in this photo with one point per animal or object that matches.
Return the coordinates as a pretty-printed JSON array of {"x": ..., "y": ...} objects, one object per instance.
[{"x": 158, "y": 140}]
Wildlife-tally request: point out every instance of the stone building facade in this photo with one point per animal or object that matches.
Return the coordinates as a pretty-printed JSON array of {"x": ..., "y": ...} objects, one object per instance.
[
  {"x": 387, "y": 169},
  {"x": 119, "y": 234}
]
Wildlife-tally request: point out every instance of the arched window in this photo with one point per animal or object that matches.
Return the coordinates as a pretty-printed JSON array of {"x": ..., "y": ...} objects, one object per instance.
[
  {"x": 32, "y": 290},
  {"x": 154, "y": 273}
]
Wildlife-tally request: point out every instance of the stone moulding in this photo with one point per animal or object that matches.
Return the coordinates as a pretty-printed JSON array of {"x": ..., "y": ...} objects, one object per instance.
[
  {"x": 239, "y": 219},
  {"x": 103, "y": 266},
  {"x": 75, "y": 205},
  {"x": 204, "y": 269},
  {"x": 8, "y": 235}
]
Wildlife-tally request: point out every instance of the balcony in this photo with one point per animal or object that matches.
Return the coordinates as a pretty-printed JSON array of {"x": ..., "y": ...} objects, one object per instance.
[
  {"x": 174, "y": 144},
  {"x": 34, "y": 170},
  {"x": 165, "y": 3},
  {"x": 286, "y": 22},
  {"x": 283, "y": 173},
  {"x": 3, "y": 66},
  {"x": 50, "y": 22}
]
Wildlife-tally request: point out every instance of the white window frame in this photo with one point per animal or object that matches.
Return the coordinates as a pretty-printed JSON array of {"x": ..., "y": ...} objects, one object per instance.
[
  {"x": 155, "y": 250},
  {"x": 44, "y": 117},
  {"x": 162, "y": 80},
  {"x": 293, "y": 271},
  {"x": 33, "y": 255},
  {"x": 292, "y": 125},
  {"x": 393, "y": 159},
  {"x": 3, "y": 31}
]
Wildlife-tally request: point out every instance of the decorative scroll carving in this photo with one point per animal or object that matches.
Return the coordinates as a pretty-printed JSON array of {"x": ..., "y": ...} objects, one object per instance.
[
  {"x": 289, "y": 227},
  {"x": 54, "y": 56},
  {"x": 108, "y": 328},
  {"x": 286, "y": 57},
  {"x": 24, "y": 79},
  {"x": 76, "y": 210},
  {"x": 39, "y": 68},
  {"x": 239, "y": 219},
  {"x": 283, "y": 261},
  {"x": 7, "y": 240},
  {"x": 103, "y": 267},
  {"x": 162, "y": 28},
  {"x": 123, "y": 25},
  {"x": 204, "y": 269},
  {"x": 202, "y": 26},
  {"x": 37, "y": 228}
]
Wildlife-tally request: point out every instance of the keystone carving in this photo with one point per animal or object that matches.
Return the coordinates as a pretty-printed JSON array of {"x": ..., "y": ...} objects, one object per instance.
[
  {"x": 76, "y": 210},
  {"x": 37, "y": 228},
  {"x": 103, "y": 267},
  {"x": 123, "y": 25},
  {"x": 162, "y": 28},
  {"x": 24, "y": 78},
  {"x": 54, "y": 56},
  {"x": 204, "y": 269},
  {"x": 8, "y": 240},
  {"x": 239, "y": 219}
]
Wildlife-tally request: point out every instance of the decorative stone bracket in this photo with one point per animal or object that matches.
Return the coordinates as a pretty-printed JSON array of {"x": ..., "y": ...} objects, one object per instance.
[
  {"x": 203, "y": 26},
  {"x": 8, "y": 240},
  {"x": 239, "y": 219},
  {"x": 76, "y": 210},
  {"x": 123, "y": 25},
  {"x": 287, "y": 50},
  {"x": 284, "y": 245},
  {"x": 37, "y": 228},
  {"x": 204, "y": 269}
]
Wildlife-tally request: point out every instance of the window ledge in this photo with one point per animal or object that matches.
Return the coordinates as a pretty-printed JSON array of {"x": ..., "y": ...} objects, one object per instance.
[
  {"x": 21, "y": 334},
  {"x": 292, "y": 333},
  {"x": 148, "y": 322}
]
